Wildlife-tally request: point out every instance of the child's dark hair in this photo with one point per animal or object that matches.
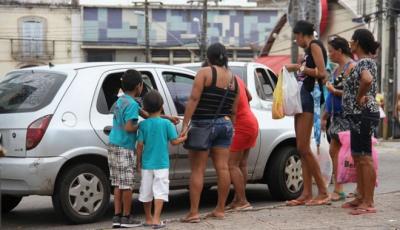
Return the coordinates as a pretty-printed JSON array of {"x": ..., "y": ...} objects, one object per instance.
[
  {"x": 152, "y": 101},
  {"x": 339, "y": 43},
  {"x": 130, "y": 80},
  {"x": 304, "y": 27},
  {"x": 216, "y": 55},
  {"x": 365, "y": 40}
]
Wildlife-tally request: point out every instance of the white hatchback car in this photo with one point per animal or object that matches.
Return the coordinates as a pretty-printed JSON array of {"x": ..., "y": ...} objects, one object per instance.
[{"x": 55, "y": 121}]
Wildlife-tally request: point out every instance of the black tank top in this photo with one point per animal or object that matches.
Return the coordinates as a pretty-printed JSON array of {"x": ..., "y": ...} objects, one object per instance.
[
  {"x": 211, "y": 98},
  {"x": 309, "y": 59}
]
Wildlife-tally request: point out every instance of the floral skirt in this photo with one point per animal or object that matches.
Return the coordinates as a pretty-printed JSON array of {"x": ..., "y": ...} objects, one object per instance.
[{"x": 339, "y": 123}]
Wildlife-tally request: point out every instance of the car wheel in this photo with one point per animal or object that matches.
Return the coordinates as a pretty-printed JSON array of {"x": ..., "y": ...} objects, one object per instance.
[
  {"x": 284, "y": 174},
  {"x": 82, "y": 194},
  {"x": 9, "y": 202}
]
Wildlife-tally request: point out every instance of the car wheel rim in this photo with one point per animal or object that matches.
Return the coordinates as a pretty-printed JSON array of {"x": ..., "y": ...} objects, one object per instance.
[
  {"x": 86, "y": 194},
  {"x": 293, "y": 174}
]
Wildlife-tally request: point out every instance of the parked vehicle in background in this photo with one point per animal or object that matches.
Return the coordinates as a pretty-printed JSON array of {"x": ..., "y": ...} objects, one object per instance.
[{"x": 55, "y": 122}]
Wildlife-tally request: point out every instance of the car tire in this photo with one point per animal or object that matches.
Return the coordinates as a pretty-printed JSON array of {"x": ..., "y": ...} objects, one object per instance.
[
  {"x": 284, "y": 174},
  {"x": 9, "y": 202},
  {"x": 82, "y": 194}
]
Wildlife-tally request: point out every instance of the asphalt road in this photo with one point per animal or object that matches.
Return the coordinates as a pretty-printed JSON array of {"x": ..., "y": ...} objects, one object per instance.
[{"x": 36, "y": 212}]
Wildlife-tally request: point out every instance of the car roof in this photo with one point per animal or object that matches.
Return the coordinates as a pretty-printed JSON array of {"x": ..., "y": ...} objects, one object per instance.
[
  {"x": 233, "y": 63},
  {"x": 85, "y": 65}
]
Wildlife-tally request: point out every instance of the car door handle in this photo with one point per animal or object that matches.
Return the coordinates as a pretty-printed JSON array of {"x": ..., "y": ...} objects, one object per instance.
[{"x": 107, "y": 130}]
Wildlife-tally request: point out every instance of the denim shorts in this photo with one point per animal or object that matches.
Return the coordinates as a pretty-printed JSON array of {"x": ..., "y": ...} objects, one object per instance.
[
  {"x": 307, "y": 101},
  {"x": 222, "y": 131},
  {"x": 361, "y": 130}
]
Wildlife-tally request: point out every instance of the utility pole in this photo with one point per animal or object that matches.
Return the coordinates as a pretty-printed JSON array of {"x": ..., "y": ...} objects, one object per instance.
[
  {"x": 379, "y": 5},
  {"x": 147, "y": 28},
  {"x": 390, "y": 78},
  {"x": 203, "y": 41},
  {"x": 146, "y": 5}
]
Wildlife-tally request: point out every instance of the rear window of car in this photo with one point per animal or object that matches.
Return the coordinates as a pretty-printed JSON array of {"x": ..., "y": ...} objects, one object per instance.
[{"x": 28, "y": 91}]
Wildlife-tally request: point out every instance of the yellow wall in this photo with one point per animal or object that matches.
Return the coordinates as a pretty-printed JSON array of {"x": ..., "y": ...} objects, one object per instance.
[{"x": 59, "y": 27}]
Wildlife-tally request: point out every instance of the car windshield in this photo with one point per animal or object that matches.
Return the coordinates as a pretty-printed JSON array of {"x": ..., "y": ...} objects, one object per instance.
[
  {"x": 236, "y": 70},
  {"x": 28, "y": 91}
]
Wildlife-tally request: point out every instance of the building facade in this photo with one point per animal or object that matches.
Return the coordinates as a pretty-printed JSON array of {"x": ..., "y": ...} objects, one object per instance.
[
  {"x": 38, "y": 32},
  {"x": 118, "y": 34}
]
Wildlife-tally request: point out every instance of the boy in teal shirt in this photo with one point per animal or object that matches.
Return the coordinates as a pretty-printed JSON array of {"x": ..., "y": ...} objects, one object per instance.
[
  {"x": 153, "y": 157},
  {"x": 121, "y": 159}
]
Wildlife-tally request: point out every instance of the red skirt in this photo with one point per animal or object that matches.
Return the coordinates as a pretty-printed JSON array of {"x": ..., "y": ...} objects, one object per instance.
[{"x": 245, "y": 135}]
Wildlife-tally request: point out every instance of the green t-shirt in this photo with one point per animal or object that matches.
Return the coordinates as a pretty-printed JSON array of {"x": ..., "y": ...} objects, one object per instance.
[
  {"x": 126, "y": 109},
  {"x": 155, "y": 133}
]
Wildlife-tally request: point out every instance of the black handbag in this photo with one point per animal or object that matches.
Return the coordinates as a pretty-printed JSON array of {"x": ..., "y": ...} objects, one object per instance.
[{"x": 198, "y": 137}]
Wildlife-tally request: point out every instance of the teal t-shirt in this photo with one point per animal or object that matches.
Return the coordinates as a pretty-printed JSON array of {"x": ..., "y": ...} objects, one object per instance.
[
  {"x": 126, "y": 108},
  {"x": 155, "y": 133}
]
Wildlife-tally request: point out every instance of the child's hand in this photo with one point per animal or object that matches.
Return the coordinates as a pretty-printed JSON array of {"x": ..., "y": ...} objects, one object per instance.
[
  {"x": 184, "y": 137},
  {"x": 175, "y": 120},
  {"x": 330, "y": 87}
]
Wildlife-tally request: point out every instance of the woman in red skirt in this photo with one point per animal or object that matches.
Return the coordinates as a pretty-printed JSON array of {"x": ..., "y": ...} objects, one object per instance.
[{"x": 244, "y": 138}]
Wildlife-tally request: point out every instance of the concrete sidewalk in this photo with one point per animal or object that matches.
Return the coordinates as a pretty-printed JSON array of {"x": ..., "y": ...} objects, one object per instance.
[{"x": 302, "y": 217}]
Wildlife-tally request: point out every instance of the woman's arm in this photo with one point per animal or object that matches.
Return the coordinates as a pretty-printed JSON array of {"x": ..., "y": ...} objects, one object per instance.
[
  {"x": 197, "y": 89},
  {"x": 331, "y": 89},
  {"x": 365, "y": 83},
  {"x": 396, "y": 106},
  {"x": 234, "y": 106},
  {"x": 324, "y": 119},
  {"x": 318, "y": 72},
  {"x": 293, "y": 67},
  {"x": 249, "y": 97}
]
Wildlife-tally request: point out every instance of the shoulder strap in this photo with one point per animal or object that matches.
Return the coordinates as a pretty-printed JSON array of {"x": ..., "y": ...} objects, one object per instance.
[{"x": 214, "y": 76}]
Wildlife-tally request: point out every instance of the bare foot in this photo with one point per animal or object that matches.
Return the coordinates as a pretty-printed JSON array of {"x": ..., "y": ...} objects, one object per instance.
[
  {"x": 191, "y": 218},
  {"x": 215, "y": 215},
  {"x": 352, "y": 204},
  {"x": 301, "y": 200}
]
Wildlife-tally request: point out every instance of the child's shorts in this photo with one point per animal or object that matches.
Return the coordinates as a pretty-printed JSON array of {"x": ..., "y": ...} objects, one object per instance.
[
  {"x": 122, "y": 164},
  {"x": 155, "y": 184}
]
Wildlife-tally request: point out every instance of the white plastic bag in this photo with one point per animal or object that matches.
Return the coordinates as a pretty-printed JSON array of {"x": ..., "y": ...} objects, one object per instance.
[
  {"x": 291, "y": 94},
  {"x": 323, "y": 157}
]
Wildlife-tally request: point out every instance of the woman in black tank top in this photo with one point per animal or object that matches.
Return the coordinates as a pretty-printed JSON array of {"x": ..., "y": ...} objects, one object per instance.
[
  {"x": 312, "y": 69},
  {"x": 211, "y": 85}
]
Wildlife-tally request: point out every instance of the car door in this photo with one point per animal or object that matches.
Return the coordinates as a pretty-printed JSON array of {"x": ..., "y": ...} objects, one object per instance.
[
  {"x": 107, "y": 92},
  {"x": 106, "y": 95},
  {"x": 178, "y": 86}
]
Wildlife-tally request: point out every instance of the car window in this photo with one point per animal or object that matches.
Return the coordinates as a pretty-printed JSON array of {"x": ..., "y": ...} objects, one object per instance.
[
  {"x": 265, "y": 84},
  {"x": 28, "y": 91},
  {"x": 236, "y": 70},
  {"x": 111, "y": 90},
  {"x": 180, "y": 87}
]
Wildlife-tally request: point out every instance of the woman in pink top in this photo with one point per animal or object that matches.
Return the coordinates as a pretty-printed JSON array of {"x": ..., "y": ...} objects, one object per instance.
[{"x": 244, "y": 138}]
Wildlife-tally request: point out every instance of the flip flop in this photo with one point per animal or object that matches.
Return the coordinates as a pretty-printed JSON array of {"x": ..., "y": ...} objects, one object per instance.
[
  {"x": 159, "y": 226},
  {"x": 326, "y": 201},
  {"x": 229, "y": 207},
  {"x": 361, "y": 211},
  {"x": 243, "y": 207},
  {"x": 340, "y": 196},
  {"x": 292, "y": 203},
  {"x": 191, "y": 220},
  {"x": 349, "y": 205},
  {"x": 212, "y": 215}
]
